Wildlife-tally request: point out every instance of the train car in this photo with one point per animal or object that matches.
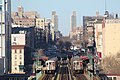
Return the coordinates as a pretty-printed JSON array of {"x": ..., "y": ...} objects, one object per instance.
[
  {"x": 86, "y": 60},
  {"x": 51, "y": 65},
  {"x": 77, "y": 65}
]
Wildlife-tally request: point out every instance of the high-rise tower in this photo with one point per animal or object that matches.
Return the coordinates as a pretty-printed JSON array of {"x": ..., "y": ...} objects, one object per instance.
[
  {"x": 73, "y": 21},
  {"x": 5, "y": 35},
  {"x": 20, "y": 11},
  {"x": 55, "y": 20}
]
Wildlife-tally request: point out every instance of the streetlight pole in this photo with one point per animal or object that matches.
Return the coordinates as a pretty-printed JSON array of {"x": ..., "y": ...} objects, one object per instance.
[
  {"x": 1, "y": 34},
  {"x": 94, "y": 49},
  {"x": 93, "y": 46}
]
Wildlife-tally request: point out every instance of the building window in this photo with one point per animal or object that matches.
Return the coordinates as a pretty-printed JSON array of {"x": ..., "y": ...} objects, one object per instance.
[
  {"x": 14, "y": 38},
  {"x": 41, "y": 20},
  {"x": 15, "y": 68},
  {"x": 15, "y": 56},
  {"x": 20, "y": 51},
  {"x": 20, "y": 57},
  {"x": 114, "y": 78},
  {"x": 15, "y": 51},
  {"x": 14, "y": 43},
  {"x": 15, "y": 63},
  {"x": 20, "y": 63}
]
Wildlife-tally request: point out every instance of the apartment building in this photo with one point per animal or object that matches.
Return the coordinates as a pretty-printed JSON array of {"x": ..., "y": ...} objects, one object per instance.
[
  {"x": 23, "y": 18},
  {"x": 111, "y": 39},
  {"x": 20, "y": 54}
]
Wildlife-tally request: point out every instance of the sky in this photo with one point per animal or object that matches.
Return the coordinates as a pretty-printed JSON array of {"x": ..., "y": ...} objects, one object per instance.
[{"x": 64, "y": 9}]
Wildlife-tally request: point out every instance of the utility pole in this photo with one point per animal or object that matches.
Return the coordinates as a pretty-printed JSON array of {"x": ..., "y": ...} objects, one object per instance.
[
  {"x": 94, "y": 45},
  {"x": 94, "y": 49},
  {"x": 92, "y": 56}
]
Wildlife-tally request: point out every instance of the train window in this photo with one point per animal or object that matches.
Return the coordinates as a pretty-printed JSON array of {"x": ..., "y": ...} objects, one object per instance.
[
  {"x": 74, "y": 63},
  {"x": 114, "y": 78},
  {"x": 77, "y": 63},
  {"x": 47, "y": 63},
  {"x": 81, "y": 63},
  {"x": 53, "y": 63}
]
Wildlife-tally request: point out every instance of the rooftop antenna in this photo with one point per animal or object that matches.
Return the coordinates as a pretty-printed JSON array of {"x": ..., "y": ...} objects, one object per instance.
[{"x": 106, "y": 12}]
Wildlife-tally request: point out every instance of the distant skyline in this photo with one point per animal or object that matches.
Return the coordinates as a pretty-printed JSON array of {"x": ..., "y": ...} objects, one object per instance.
[{"x": 64, "y": 9}]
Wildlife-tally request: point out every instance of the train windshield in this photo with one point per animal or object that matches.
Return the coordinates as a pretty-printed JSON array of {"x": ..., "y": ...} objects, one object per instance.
[
  {"x": 77, "y": 63},
  {"x": 47, "y": 63}
]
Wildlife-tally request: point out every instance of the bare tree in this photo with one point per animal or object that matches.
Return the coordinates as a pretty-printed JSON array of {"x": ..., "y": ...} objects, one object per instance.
[
  {"x": 60, "y": 45},
  {"x": 67, "y": 45},
  {"x": 111, "y": 65},
  {"x": 118, "y": 55}
]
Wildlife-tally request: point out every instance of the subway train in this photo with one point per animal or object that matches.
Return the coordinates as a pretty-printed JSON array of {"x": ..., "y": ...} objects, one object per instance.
[
  {"x": 77, "y": 65},
  {"x": 51, "y": 65}
]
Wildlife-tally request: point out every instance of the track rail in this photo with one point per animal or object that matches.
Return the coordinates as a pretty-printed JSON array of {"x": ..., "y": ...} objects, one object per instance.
[
  {"x": 80, "y": 77},
  {"x": 47, "y": 77},
  {"x": 64, "y": 73}
]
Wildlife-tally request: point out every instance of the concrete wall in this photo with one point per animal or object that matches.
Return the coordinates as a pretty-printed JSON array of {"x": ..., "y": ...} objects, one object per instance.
[{"x": 111, "y": 37}]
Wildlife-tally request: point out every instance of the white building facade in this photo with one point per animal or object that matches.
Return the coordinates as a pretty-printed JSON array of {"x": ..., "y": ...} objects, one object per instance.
[
  {"x": 17, "y": 55},
  {"x": 5, "y": 34},
  {"x": 17, "y": 39},
  {"x": 99, "y": 39},
  {"x": 55, "y": 20},
  {"x": 17, "y": 59},
  {"x": 111, "y": 37}
]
